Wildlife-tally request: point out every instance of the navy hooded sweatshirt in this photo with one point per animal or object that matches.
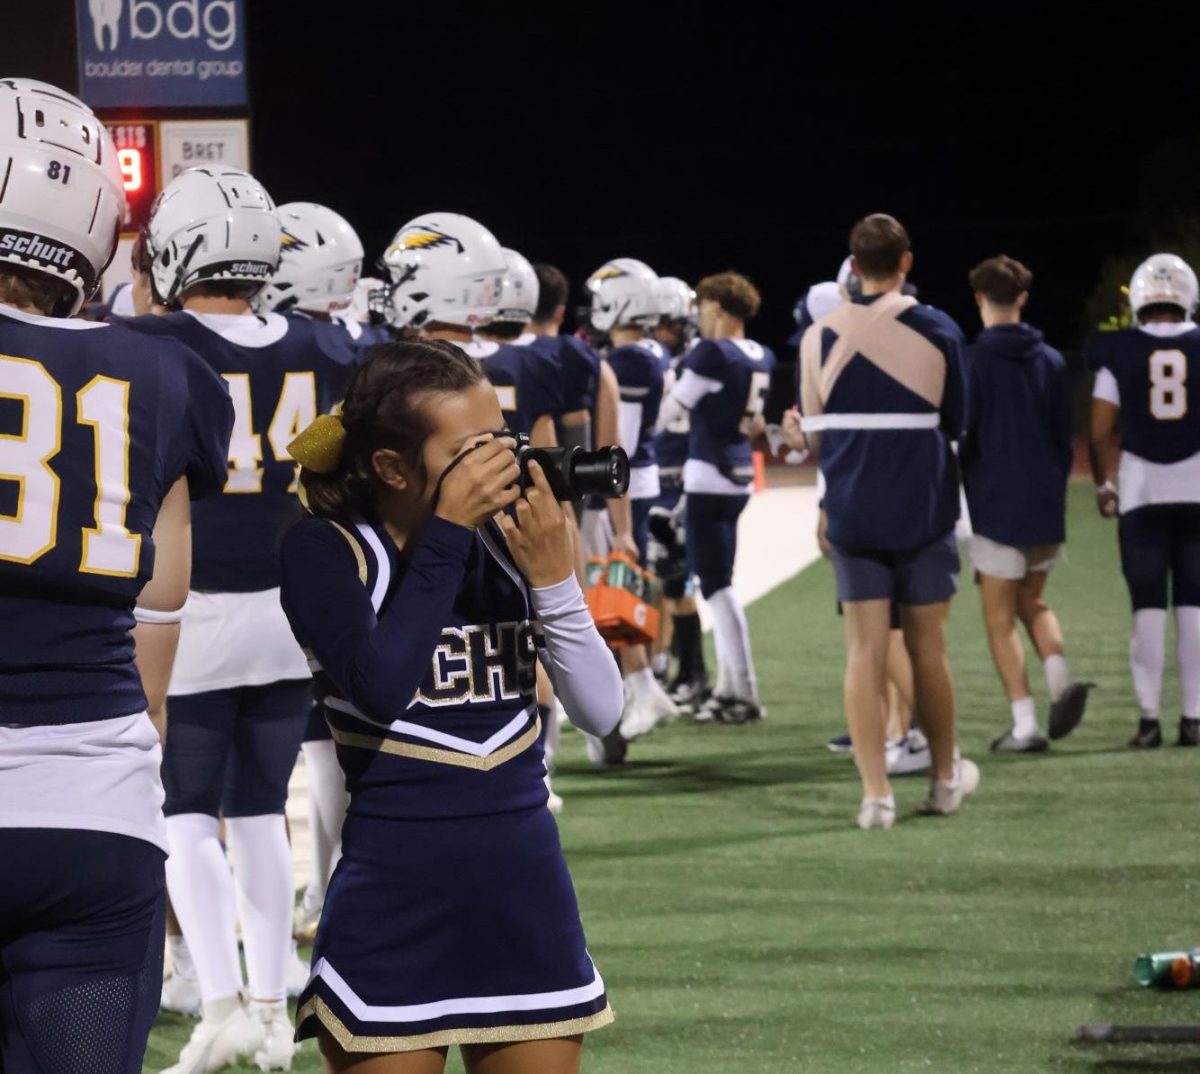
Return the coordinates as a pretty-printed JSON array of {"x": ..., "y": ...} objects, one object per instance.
[{"x": 1016, "y": 452}]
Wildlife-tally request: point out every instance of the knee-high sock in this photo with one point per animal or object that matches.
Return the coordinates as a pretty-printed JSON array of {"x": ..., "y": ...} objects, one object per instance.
[
  {"x": 201, "y": 888},
  {"x": 733, "y": 644},
  {"x": 1147, "y": 651},
  {"x": 1187, "y": 627},
  {"x": 262, "y": 872},
  {"x": 327, "y": 802}
]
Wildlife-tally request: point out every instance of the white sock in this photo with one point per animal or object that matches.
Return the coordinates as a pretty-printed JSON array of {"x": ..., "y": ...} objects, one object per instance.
[
  {"x": 640, "y": 682},
  {"x": 181, "y": 958},
  {"x": 1058, "y": 678},
  {"x": 327, "y": 802},
  {"x": 733, "y": 643},
  {"x": 1187, "y": 627},
  {"x": 201, "y": 889},
  {"x": 1147, "y": 652},
  {"x": 1025, "y": 721},
  {"x": 262, "y": 871}
]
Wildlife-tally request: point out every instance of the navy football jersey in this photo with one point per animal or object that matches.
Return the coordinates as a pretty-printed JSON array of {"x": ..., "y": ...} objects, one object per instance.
[
  {"x": 364, "y": 336},
  {"x": 1158, "y": 378},
  {"x": 640, "y": 369},
  {"x": 525, "y": 382},
  {"x": 671, "y": 444},
  {"x": 743, "y": 370},
  {"x": 96, "y": 424},
  {"x": 579, "y": 369},
  {"x": 282, "y": 372},
  {"x": 427, "y": 665}
]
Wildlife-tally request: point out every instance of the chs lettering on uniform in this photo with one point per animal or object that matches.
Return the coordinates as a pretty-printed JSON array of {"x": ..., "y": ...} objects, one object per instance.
[{"x": 482, "y": 664}]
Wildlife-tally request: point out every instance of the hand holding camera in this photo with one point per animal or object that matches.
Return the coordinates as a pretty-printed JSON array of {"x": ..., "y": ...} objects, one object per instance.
[
  {"x": 480, "y": 483},
  {"x": 539, "y": 537}
]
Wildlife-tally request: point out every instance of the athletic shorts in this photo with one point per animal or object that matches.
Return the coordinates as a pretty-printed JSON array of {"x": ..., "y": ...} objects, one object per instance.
[
  {"x": 455, "y": 931},
  {"x": 1013, "y": 563},
  {"x": 82, "y": 924},
  {"x": 927, "y": 575}
]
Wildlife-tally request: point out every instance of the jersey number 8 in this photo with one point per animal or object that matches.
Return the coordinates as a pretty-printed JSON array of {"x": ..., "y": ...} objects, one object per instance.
[
  {"x": 1168, "y": 385},
  {"x": 32, "y": 530}
]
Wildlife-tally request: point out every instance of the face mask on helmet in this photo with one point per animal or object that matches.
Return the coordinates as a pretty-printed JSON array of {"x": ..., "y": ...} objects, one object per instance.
[
  {"x": 212, "y": 225},
  {"x": 623, "y": 293},
  {"x": 444, "y": 268},
  {"x": 64, "y": 199}
]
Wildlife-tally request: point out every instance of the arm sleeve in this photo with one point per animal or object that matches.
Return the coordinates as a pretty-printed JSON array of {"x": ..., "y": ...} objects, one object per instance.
[
  {"x": 585, "y": 674},
  {"x": 378, "y": 664}
]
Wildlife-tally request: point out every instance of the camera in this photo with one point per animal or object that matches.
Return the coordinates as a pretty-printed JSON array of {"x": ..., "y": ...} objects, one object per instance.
[{"x": 573, "y": 473}]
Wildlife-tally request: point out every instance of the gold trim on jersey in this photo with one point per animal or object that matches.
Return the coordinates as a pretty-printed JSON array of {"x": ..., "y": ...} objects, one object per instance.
[
  {"x": 428, "y": 753},
  {"x": 355, "y": 547},
  {"x": 353, "y": 1042}
]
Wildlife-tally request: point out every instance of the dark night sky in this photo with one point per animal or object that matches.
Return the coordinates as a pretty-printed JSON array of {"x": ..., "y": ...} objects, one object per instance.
[{"x": 699, "y": 143}]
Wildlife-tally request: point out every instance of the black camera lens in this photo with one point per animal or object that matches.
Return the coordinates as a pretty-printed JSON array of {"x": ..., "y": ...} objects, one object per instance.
[{"x": 575, "y": 474}]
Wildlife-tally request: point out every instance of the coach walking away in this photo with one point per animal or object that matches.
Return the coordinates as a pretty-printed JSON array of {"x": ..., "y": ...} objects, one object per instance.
[
  {"x": 1016, "y": 458},
  {"x": 882, "y": 387}
]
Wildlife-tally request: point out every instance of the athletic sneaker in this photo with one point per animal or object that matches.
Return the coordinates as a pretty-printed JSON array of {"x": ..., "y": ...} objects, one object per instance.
[
  {"x": 946, "y": 798},
  {"x": 1067, "y": 711},
  {"x": 909, "y": 755},
  {"x": 1189, "y": 732},
  {"x": 1010, "y": 743},
  {"x": 606, "y": 751},
  {"x": 214, "y": 1044},
  {"x": 689, "y": 694},
  {"x": 278, "y": 1046},
  {"x": 644, "y": 711},
  {"x": 181, "y": 994},
  {"x": 840, "y": 744},
  {"x": 876, "y": 813},
  {"x": 296, "y": 972},
  {"x": 732, "y": 710},
  {"x": 1148, "y": 735}
]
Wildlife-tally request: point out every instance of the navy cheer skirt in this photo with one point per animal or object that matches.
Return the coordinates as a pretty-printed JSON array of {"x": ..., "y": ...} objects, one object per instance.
[{"x": 458, "y": 931}]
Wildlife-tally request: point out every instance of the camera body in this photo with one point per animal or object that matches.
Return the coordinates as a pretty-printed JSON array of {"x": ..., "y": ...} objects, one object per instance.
[{"x": 573, "y": 473}]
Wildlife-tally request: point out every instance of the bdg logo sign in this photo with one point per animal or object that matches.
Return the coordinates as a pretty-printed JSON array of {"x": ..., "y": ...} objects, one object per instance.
[{"x": 161, "y": 53}]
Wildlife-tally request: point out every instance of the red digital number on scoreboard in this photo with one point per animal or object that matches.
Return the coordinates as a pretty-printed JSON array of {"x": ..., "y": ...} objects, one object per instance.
[{"x": 136, "y": 143}]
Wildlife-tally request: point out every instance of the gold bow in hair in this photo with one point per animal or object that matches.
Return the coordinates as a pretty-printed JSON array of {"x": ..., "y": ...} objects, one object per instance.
[{"x": 319, "y": 447}]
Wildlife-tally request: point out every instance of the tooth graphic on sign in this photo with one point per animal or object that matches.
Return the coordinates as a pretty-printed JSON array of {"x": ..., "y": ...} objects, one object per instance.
[{"x": 106, "y": 15}]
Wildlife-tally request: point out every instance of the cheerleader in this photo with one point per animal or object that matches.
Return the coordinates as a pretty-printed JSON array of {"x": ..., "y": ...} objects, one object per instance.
[{"x": 424, "y": 586}]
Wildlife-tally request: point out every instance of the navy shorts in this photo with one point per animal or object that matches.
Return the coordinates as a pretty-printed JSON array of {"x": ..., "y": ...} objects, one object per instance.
[
  {"x": 927, "y": 575},
  {"x": 82, "y": 924},
  {"x": 712, "y": 522},
  {"x": 1160, "y": 555},
  {"x": 233, "y": 751},
  {"x": 641, "y": 525},
  {"x": 452, "y": 931}
]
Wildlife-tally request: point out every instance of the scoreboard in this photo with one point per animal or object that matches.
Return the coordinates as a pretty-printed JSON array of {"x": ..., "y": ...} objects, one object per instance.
[{"x": 137, "y": 154}]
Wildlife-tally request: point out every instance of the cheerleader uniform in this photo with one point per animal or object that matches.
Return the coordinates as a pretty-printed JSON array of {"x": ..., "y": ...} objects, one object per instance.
[{"x": 450, "y": 918}]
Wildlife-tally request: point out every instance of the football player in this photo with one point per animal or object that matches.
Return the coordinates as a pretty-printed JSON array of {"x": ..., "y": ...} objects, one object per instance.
[
  {"x": 1147, "y": 378},
  {"x": 240, "y": 693},
  {"x": 104, "y": 434},
  {"x": 723, "y": 384},
  {"x": 624, "y": 306}
]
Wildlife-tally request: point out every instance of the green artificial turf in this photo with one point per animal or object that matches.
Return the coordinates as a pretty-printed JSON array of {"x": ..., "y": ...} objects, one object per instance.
[{"x": 743, "y": 923}]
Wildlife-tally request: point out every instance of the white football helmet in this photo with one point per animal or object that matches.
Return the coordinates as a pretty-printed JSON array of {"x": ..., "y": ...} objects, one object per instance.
[
  {"x": 62, "y": 200},
  {"x": 443, "y": 267},
  {"x": 211, "y": 224},
  {"x": 519, "y": 292},
  {"x": 320, "y": 260},
  {"x": 1163, "y": 279},
  {"x": 676, "y": 299},
  {"x": 623, "y": 291}
]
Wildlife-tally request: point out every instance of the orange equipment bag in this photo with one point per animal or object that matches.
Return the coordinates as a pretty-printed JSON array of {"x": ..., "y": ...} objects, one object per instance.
[{"x": 621, "y": 597}]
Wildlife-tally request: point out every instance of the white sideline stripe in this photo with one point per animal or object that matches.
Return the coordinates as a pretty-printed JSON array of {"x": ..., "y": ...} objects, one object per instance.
[
  {"x": 818, "y": 423},
  {"x": 428, "y": 734},
  {"x": 424, "y": 1012}
]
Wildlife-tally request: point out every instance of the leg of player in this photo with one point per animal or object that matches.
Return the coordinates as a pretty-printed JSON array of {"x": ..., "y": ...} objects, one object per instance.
[
  {"x": 866, "y": 625},
  {"x": 1068, "y": 699},
  {"x": 1185, "y": 580},
  {"x": 181, "y": 990},
  {"x": 1000, "y": 599},
  {"x": 647, "y": 704},
  {"x": 327, "y": 802},
  {"x": 1144, "y": 535},
  {"x": 557, "y": 1056},
  {"x": 545, "y": 704},
  {"x": 337, "y": 1061},
  {"x": 907, "y": 748}
]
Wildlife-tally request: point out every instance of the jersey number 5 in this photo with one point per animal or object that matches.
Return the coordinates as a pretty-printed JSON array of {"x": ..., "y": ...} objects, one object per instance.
[
  {"x": 295, "y": 411},
  {"x": 32, "y": 530},
  {"x": 1168, "y": 385}
]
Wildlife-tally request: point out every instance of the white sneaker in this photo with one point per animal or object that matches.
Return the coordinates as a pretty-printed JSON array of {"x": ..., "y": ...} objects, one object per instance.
[
  {"x": 214, "y": 1045},
  {"x": 908, "y": 756},
  {"x": 638, "y": 719},
  {"x": 181, "y": 995},
  {"x": 877, "y": 813},
  {"x": 660, "y": 703},
  {"x": 296, "y": 972},
  {"x": 946, "y": 798},
  {"x": 554, "y": 802},
  {"x": 278, "y": 1040}
]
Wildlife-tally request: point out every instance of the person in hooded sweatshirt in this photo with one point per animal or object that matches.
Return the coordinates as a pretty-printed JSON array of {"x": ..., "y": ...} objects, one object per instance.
[{"x": 1016, "y": 457}]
